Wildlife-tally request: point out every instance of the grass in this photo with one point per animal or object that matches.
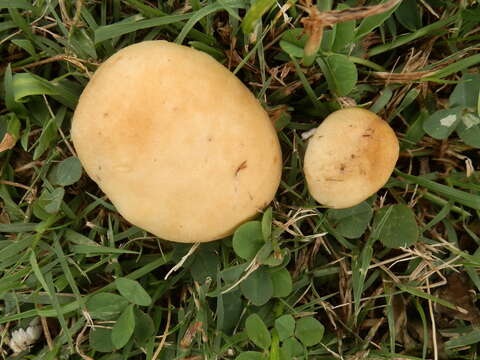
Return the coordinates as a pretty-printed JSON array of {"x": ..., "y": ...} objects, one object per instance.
[{"x": 395, "y": 277}]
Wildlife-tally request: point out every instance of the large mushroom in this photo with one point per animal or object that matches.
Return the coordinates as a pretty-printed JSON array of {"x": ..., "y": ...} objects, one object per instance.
[
  {"x": 178, "y": 144},
  {"x": 350, "y": 157}
]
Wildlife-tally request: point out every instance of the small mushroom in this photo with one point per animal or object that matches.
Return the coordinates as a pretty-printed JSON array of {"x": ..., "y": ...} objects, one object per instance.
[
  {"x": 179, "y": 145},
  {"x": 350, "y": 157}
]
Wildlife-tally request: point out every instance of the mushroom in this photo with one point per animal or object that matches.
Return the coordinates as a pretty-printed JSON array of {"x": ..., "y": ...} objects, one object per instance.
[
  {"x": 350, "y": 157},
  {"x": 178, "y": 144}
]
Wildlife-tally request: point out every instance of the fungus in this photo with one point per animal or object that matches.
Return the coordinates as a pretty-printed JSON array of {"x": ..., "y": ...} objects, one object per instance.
[
  {"x": 350, "y": 157},
  {"x": 178, "y": 144}
]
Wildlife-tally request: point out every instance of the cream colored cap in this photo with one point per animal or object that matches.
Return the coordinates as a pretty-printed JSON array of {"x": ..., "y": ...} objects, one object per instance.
[
  {"x": 350, "y": 157},
  {"x": 179, "y": 145}
]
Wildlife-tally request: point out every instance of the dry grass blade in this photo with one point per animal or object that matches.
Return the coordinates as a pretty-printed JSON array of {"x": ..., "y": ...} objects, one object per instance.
[{"x": 403, "y": 77}]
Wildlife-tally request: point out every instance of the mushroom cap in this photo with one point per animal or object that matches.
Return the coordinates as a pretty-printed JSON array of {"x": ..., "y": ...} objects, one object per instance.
[
  {"x": 178, "y": 144},
  {"x": 350, "y": 157}
]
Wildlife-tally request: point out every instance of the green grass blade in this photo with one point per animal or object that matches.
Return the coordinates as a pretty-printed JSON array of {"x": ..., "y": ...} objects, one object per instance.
[
  {"x": 107, "y": 32},
  {"x": 254, "y": 14},
  {"x": 459, "y": 196},
  {"x": 47, "y": 284}
]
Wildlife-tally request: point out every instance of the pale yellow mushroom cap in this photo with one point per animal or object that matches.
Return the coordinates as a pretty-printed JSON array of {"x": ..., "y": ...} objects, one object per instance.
[
  {"x": 178, "y": 144},
  {"x": 350, "y": 157}
]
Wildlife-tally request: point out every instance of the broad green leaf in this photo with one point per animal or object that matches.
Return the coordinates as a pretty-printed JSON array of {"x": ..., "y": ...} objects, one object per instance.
[
  {"x": 133, "y": 291},
  {"x": 415, "y": 130},
  {"x": 66, "y": 172},
  {"x": 205, "y": 264},
  {"x": 275, "y": 258},
  {"x": 106, "y": 306},
  {"x": 100, "y": 339},
  {"x": 49, "y": 133},
  {"x": 469, "y": 129},
  {"x": 293, "y": 41},
  {"x": 257, "y": 331},
  {"x": 10, "y": 124},
  {"x": 250, "y": 355},
  {"x": 441, "y": 124},
  {"x": 232, "y": 274},
  {"x": 400, "y": 228},
  {"x": 352, "y": 222},
  {"x": 409, "y": 15},
  {"x": 48, "y": 136},
  {"x": 9, "y": 97},
  {"x": 372, "y": 22},
  {"x": 466, "y": 92},
  {"x": 26, "y": 84},
  {"x": 54, "y": 201},
  {"x": 123, "y": 329},
  {"x": 232, "y": 310},
  {"x": 267, "y": 224},
  {"x": 290, "y": 349},
  {"x": 285, "y": 326},
  {"x": 48, "y": 203},
  {"x": 248, "y": 239},
  {"x": 144, "y": 327},
  {"x": 340, "y": 72},
  {"x": 309, "y": 331},
  {"x": 258, "y": 287},
  {"x": 282, "y": 282},
  {"x": 254, "y": 14},
  {"x": 344, "y": 33}
]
